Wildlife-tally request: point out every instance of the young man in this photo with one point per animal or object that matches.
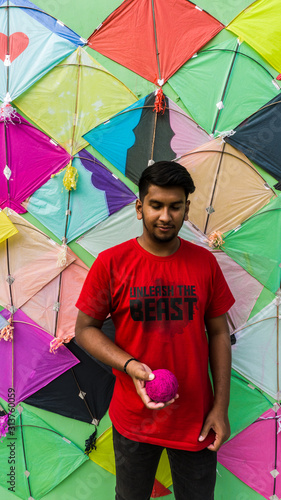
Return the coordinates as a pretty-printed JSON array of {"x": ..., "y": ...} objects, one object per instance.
[{"x": 161, "y": 291}]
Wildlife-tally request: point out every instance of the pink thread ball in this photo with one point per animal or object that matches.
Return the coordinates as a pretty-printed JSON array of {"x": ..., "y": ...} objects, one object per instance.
[{"x": 163, "y": 387}]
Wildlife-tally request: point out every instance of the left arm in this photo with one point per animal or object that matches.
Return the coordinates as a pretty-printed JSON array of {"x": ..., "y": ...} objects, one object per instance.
[{"x": 220, "y": 363}]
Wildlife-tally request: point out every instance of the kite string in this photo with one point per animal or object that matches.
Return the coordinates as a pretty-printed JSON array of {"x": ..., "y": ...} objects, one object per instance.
[
  {"x": 240, "y": 328},
  {"x": 30, "y": 324}
]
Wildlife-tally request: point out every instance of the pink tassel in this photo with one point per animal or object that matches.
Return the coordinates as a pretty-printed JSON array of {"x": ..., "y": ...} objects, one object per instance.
[
  {"x": 57, "y": 342},
  {"x": 4, "y": 427},
  {"x": 7, "y": 332},
  {"x": 215, "y": 239}
]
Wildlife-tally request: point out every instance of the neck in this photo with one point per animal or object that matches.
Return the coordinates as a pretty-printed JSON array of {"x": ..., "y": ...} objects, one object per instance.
[{"x": 161, "y": 249}]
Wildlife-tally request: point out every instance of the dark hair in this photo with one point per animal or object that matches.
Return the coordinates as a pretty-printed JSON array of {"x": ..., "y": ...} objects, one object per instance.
[{"x": 165, "y": 174}]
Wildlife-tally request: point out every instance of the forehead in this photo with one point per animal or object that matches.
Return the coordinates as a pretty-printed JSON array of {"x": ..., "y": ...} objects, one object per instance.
[{"x": 167, "y": 194}]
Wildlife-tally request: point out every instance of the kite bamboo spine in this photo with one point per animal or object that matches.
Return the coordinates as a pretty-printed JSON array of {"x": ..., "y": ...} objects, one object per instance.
[{"x": 278, "y": 385}]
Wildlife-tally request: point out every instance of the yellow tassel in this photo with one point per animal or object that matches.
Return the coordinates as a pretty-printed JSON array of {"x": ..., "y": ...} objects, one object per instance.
[{"x": 70, "y": 177}]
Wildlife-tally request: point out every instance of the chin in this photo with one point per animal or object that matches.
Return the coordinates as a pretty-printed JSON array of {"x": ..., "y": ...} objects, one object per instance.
[{"x": 165, "y": 238}]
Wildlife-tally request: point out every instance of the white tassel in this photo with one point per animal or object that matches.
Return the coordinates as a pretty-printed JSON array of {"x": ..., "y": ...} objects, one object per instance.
[
  {"x": 7, "y": 112},
  {"x": 62, "y": 260}
]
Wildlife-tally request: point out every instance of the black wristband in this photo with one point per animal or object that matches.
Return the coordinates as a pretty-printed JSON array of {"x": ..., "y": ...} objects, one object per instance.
[{"x": 127, "y": 362}]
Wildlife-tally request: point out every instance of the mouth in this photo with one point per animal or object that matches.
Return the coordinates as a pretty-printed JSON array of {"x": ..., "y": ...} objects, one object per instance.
[{"x": 165, "y": 228}]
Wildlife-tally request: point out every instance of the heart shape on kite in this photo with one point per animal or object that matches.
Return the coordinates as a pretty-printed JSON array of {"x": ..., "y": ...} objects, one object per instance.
[{"x": 17, "y": 44}]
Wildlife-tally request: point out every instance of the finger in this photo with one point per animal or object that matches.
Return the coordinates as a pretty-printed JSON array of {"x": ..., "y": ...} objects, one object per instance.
[
  {"x": 143, "y": 375},
  {"x": 155, "y": 406},
  {"x": 159, "y": 404},
  {"x": 149, "y": 403},
  {"x": 214, "y": 446},
  {"x": 204, "y": 432}
]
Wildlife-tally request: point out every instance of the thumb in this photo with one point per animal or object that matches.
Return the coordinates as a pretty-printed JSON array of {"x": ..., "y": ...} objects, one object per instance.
[
  {"x": 143, "y": 372},
  {"x": 204, "y": 432},
  {"x": 144, "y": 375}
]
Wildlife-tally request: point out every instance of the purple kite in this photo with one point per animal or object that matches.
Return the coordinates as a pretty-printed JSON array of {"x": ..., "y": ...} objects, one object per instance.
[
  {"x": 26, "y": 363},
  {"x": 28, "y": 158}
]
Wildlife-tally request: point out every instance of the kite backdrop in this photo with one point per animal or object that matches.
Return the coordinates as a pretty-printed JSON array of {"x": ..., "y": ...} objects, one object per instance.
[{"x": 90, "y": 94}]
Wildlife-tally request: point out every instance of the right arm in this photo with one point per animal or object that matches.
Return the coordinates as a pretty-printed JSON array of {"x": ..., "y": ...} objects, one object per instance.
[{"x": 89, "y": 335}]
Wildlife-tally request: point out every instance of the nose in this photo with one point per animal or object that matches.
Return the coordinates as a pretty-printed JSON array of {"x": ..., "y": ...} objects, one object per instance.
[{"x": 165, "y": 215}]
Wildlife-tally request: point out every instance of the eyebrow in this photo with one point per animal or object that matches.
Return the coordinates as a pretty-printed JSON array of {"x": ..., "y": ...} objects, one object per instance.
[{"x": 177, "y": 202}]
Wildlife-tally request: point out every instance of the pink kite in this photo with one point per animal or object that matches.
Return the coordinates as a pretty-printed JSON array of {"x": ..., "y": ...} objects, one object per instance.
[
  {"x": 254, "y": 454},
  {"x": 28, "y": 158},
  {"x": 53, "y": 306}
]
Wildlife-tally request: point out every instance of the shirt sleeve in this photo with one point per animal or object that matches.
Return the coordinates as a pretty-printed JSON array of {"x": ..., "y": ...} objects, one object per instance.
[
  {"x": 95, "y": 297},
  {"x": 221, "y": 298}
]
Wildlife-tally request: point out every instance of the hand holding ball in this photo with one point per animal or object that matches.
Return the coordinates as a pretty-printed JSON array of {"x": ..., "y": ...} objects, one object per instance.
[{"x": 163, "y": 387}]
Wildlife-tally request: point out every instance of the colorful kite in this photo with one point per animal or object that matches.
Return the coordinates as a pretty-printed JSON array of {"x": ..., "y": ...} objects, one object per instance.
[
  {"x": 259, "y": 26},
  {"x": 245, "y": 245},
  {"x": 258, "y": 137},
  {"x": 151, "y": 129},
  {"x": 26, "y": 362},
  {"x": 76, "y": 95},
  {"x": 28, "y": 158},
  {"x": 83, "y": 393},
  {"x": 7, "y": 228},
  {"x": 31, "y": 43},
  {"x": 257, "y": 352},
  {"x": 34, "y": 446},
  {"x": 238, "y": 80},
  {"x": 221, "y": 200},
  {"x": 222, "y": 82},
  {"x": 135, "y": 35},
  {"x": 254, "y": 455},
  {"x": 29, "y": 260},
  {"x": 99, "y": 194},
  {"x": 52, "y": 306}
]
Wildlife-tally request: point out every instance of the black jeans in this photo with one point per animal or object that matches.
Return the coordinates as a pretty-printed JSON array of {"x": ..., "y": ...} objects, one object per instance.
[{"x": 193, "y": 473}]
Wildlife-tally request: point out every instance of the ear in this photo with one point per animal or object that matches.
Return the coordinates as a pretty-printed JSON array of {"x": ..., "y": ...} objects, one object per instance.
[
  {"x": 139, "y": 209},
  {"x": 186, "y": 210}
]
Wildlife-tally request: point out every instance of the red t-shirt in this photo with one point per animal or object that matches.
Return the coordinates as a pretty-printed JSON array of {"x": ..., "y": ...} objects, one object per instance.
[{"x": 158, "y": 306}]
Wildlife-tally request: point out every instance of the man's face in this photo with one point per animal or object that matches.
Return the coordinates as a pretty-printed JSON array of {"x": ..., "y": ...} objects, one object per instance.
[{"x": 163, "y": 211}]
